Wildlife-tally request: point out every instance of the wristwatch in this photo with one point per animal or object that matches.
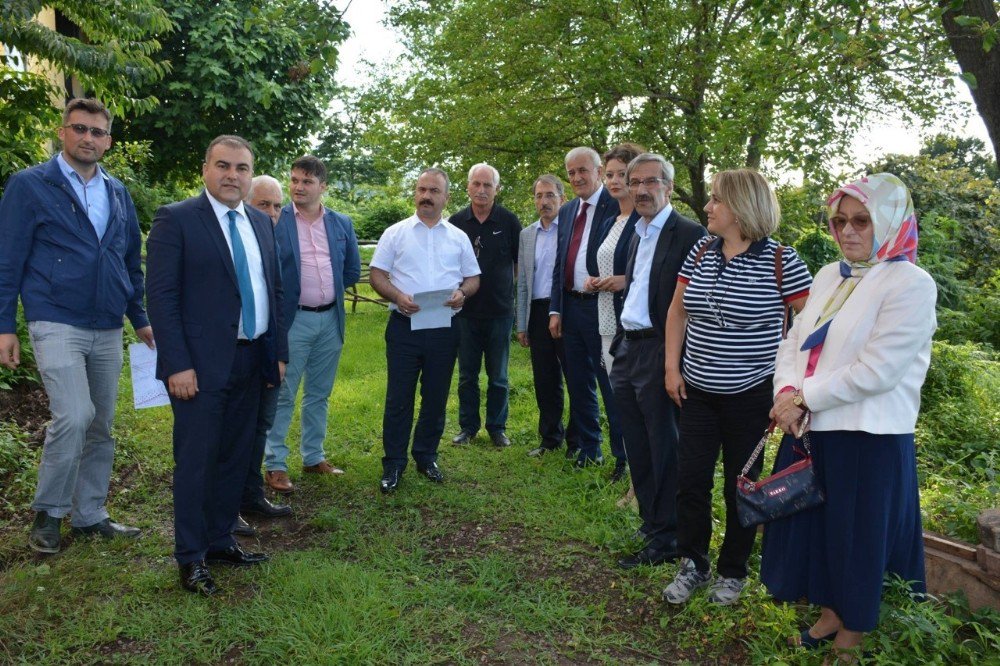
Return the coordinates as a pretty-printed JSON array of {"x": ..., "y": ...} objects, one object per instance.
[{"x": 797, "y": 399}]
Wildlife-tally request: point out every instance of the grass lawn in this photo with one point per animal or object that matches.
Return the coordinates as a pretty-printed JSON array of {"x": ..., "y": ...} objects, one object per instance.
[{"x": 510, "y": 561}]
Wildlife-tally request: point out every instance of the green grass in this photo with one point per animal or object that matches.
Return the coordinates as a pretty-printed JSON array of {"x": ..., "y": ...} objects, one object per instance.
[{"x": 511, "y": 561}]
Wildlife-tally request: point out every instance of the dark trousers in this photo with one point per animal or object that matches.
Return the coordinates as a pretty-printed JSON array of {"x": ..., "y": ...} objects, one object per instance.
[
  {"x": 734, "y": 423},
  {"x": 253, "y": 489},
  {"x": 649, "y": 419},
  {"x": 584, "y": 372},
  {"x": 480, "y": 339},
  {"x": 427, "y": 355},
  {"x": 213, "y": 440},
  {"x": 548, "y": 367}
]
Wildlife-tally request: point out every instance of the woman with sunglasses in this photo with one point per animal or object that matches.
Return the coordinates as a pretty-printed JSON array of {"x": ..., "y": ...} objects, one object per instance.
[
  {"x": 854, "y": 362},
  {"x": 723, "y": 329}
]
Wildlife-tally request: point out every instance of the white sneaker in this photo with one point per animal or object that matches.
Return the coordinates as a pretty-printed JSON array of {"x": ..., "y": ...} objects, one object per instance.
[
  {"x": 725, "y": 591},
  {"x": 687, "y": 580}
]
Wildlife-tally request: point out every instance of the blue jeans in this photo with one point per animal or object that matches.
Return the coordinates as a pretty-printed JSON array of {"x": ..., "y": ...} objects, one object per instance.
[
  {"x": 80, "y": 369},
  {"x": 479, "y": 339},
  {"x": 314, "y": 346}
]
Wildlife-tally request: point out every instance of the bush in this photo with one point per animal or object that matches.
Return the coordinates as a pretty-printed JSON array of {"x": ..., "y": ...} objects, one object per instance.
[
  {"x": 377, "y": 215},
  {"x": 27, "y": 371},
  {"x": 130, "y": 162}
]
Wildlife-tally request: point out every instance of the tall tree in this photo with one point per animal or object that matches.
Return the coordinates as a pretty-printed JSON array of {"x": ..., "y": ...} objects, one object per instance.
[
  {"x": 263, "y": 70},
  {"x": 710, "y": 83},
  {"x": 973, "y": 28}
]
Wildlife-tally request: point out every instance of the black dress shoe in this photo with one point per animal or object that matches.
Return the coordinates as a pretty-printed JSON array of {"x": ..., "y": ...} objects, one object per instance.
[
  {"x": 243, "y": 528},
  {"x": 390, "y": 481},
  {"x": 588, "y": 462},
  {"x": 572, "y": 452},
  {"x": 464, "y": 437},
  {"x": 499, "y": 439},
  {"x": 195, "y": 577},
  {"x": 432, "y": 472},
  {"x": 107, "y": 530},
  {"x": 648, "y": 556},
  {"x": 235, "y": 556},
  {"x": 44, "y": 536},
  {"x": 620, "y": 472},
  {"x": 266, "y": 509}
]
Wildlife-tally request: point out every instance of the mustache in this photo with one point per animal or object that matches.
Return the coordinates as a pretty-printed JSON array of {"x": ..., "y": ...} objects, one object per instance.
[
  {"x": 426, "y": 201},
  {"x": 644, "y": 198}
]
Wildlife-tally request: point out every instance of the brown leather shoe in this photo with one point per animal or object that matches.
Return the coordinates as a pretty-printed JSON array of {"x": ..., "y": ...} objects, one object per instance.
[
  {"x": 323, "y": 467},
  {"x": 279, "y": 481}
]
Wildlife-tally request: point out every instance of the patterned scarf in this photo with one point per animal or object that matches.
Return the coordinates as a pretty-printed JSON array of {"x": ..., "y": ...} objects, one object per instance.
[{"x": 894, "y": 239}]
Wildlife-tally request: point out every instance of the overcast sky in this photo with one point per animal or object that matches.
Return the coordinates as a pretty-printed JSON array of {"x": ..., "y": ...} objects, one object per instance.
[{"x": 373, "y": 42}]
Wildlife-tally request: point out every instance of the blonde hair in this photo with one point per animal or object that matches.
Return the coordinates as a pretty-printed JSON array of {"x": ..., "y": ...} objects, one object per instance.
[{"x": 752, "y": 200}]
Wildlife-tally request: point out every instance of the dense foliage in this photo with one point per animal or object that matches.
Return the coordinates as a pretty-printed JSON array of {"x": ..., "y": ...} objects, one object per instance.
[{"x": 264, "y": 71}]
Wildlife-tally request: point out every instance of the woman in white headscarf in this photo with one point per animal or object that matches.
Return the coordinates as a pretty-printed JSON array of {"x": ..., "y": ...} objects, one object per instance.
[{"x": 854, "y": 363}]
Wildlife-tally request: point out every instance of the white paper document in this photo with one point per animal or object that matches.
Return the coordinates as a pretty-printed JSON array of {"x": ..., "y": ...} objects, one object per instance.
[
  {"x": 147, "y": 390},
  {"x": 433, "y": 312}
]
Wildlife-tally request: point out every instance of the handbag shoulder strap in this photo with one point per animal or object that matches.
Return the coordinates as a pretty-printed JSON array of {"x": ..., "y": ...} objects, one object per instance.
[{"x": 763, "y": 441}]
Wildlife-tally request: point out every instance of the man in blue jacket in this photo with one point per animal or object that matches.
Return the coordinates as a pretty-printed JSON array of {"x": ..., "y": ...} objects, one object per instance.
[
  {"x": 71, "y": 251},
  {"x": 319, "y": 257}
]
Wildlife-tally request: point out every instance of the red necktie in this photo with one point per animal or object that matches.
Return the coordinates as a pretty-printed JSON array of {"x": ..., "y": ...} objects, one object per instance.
[{"x": 574, "y": 243}]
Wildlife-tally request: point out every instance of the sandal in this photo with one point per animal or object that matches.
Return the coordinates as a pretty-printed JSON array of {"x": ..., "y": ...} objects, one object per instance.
[{"x": 808, "y": 642}]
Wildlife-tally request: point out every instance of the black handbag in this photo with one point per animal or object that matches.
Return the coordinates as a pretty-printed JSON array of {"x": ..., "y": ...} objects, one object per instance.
[{"x": 782, "y": 494}]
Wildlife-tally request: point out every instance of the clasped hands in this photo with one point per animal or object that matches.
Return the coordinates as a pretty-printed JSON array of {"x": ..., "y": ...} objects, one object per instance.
[
  {"x": 612, "y": 283},
  {"x": 788, "y": 415},
  {"x": 408, "y": 307}
]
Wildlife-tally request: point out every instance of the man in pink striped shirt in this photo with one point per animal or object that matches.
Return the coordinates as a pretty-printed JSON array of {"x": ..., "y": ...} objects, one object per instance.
[{"x": 319, "y": 257}]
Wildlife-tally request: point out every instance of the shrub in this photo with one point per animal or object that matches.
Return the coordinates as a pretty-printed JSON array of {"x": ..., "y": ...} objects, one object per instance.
[
  {"x": 377, "y": 215},
  {"x": 27, "y": 371}
]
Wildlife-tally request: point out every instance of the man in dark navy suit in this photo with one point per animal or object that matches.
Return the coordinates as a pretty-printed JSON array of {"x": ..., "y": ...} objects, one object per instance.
[
  {"x": 214, "y": 293},
  {"x": 573, "y": 309}
]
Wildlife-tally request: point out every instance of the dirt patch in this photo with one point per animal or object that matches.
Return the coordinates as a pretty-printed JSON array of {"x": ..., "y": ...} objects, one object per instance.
[{"x": 27, "y": 406}]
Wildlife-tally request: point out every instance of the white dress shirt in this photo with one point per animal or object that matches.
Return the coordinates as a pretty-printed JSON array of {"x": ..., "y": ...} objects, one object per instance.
[
  {"x": 635, "y": 312},
  {"x": 254, "y": 261},
  {"x": 580, "y": 273},
  {"x": 419, "y": 258}
]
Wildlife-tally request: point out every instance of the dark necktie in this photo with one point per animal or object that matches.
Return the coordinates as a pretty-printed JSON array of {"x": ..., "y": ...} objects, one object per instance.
[
  {"x": 247, "y": 308},
  {"x": 574, "y": 243}
]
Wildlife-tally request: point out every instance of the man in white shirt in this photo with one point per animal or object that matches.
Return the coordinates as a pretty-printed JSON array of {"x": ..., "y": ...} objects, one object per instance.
[{"x": 421, "y": 253}]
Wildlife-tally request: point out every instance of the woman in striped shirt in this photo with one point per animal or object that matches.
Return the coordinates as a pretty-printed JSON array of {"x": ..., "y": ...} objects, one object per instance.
[{"x": 727, "y": 317}]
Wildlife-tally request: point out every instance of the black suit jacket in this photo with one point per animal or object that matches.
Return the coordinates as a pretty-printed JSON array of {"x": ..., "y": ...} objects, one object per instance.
[
  {"x": 193, "y": 297},
  {"x": 677, "y": 237},
  {"x": 606, "y": 207}
]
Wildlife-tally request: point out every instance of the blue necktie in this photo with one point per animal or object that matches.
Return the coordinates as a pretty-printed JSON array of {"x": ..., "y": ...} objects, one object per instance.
[{"x": 243, "y": 279}]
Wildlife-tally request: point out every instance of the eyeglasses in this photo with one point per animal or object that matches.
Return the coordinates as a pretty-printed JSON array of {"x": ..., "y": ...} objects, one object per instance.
[
  {"x": 80, "y": 130},
  {"x": 477, "y": 245},
  {"x": 859, "y": 223},
  {"x": 650, "y": 183}
]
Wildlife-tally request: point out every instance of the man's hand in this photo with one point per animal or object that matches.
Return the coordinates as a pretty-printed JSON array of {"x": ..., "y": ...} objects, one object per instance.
[
  {"x": 555, "y": 326},
  {"x": 10, "y": 350},
  {"x": 183, "y": 385},
  {"x": 522, "y": 339},
  {"x": 146, "y": 335},
  {"x": 457, "y": 299},
  {"x": 405, "y": 304}
]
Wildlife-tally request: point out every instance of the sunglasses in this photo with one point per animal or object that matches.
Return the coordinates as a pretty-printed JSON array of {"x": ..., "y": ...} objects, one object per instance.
[
  {"x": 80, "y": 130},
  {"x": 859, "y": 223}
]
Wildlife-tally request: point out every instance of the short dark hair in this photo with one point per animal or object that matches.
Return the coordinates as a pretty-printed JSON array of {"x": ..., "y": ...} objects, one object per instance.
[
  {"x": 230, "y": 140},
  {"x": 624, "y": 153},
  {"x": 311, "y": 166},
  {"x": 551, "y": 179},
  {"x": 88, "y": 104},
  {"x": 434, "y": 171}
]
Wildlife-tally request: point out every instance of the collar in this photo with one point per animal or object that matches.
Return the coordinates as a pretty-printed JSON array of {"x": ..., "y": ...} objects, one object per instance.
[
  {"x": 553, "y": 223},
  {"x": 71, "y": 173},
  {"x": 415, "y": 220},
  {"x": 297, "y": 214},
  {"x": 595, "y": 197},
  {"x": 658, "y": 220},
  {"x": 221, "y": 210},
  {"x": 466, "y": 214},
  {"x": 755, "y": 248}
]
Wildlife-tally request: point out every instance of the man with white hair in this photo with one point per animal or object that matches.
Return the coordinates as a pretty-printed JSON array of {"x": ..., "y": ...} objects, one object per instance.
[
  {"x": 485, "y": 322},
  {"x": 573, "y": 309},
  {"x": 266, "y": 196}
]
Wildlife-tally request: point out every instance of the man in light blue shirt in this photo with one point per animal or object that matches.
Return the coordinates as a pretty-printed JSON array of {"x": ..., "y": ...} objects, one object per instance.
[{"x": 662, "y": 240}]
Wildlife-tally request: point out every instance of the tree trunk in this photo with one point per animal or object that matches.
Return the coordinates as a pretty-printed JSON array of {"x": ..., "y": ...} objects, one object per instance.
[{"x": 967, "y": 46}]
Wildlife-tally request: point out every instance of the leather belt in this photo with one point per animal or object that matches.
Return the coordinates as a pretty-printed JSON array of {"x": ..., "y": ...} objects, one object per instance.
[
  {"x": 581, "y": 295},
  {"x": 318, "y": 308},
  {"x": 642, "y": 334}
]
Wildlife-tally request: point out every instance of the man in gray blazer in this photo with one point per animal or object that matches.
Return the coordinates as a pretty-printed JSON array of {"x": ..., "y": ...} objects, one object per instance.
[{"x": 537, "y": 250}]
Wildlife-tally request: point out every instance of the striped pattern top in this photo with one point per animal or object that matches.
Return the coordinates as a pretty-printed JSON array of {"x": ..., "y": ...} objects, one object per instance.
[{"x": 735, "y": 313}]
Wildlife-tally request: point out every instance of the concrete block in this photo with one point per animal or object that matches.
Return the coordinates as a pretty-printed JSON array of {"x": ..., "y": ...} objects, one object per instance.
[{"x": 989, "y": 529}]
